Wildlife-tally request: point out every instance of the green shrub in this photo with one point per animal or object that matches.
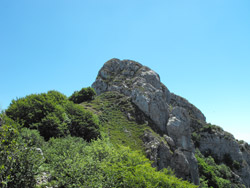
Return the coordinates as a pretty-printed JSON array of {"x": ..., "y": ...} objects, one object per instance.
[
  {"x": 55, "y": 124},
  {"x": 83, "y": 123},
  {"x": 196, "y": 139},
  {"x": 75, "y": 163},
  {"x": 31, "y": 137},
  {"x": 85, "y": 94},
  {"x": 227, "y": 159},
  {"x": 54, "y": 116},
  {"x": 30, "y": 110},
  {"x": 19, "y": 164},
  {"x": 211, "y": 128},
  {"x": 213, "y": 175}
]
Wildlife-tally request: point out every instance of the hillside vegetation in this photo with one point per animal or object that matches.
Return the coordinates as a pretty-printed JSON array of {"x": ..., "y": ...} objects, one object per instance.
[{"x": 48, "y": 140}]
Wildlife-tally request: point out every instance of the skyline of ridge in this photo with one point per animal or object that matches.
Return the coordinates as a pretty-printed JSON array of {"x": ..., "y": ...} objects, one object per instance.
[{"x": 200, "y": 49}]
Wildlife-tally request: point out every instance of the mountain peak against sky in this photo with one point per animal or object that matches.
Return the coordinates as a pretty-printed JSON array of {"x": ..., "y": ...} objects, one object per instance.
[
  {"x": 179, "y": 122},
  {"x": 200, "y": 49}
]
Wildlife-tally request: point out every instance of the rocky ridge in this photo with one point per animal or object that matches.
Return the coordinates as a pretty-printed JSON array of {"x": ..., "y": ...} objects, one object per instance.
[{"x": 176, "y": 121}]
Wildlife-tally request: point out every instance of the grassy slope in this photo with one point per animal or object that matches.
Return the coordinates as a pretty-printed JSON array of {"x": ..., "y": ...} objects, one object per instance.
[{"x": 120, "y": 119}]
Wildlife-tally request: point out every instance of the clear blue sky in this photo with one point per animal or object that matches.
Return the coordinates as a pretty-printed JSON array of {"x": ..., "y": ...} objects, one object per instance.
[{"x": 200, "y": 48}]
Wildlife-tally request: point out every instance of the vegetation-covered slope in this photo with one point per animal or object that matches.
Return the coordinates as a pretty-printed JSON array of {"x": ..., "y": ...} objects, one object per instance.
[
  {"x": 46, "y": 141},
  {"x": 120, "y": 119}
]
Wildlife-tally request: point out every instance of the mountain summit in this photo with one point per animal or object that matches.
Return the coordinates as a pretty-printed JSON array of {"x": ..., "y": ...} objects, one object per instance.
[{"x": 180, "y": 137}]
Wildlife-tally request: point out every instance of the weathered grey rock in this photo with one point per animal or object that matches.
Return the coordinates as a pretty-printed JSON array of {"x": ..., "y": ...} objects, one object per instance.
[
  {"x": 155, "y": 148},
  {"x": 140, "y": 83},
  {"x": 174, "y": 118},
  {"x": 196, "y": 116},
  {"x": 169, "y": 140},
  {"x": 219, "y": 144},
  {"x": 178, "y": 129},
  {"x": 181, "y": 164},
  {"x": 222, "y": 145},
  {"x": 245, "y": 149},
  {"x": 163, "y": 155}
]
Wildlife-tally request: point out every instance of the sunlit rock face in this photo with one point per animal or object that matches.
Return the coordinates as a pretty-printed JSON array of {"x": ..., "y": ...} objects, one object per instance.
[
  {"x": 140, "y": 83},
  {"x": 174, "y": 119},
  {"x": 145, "y": 89}
]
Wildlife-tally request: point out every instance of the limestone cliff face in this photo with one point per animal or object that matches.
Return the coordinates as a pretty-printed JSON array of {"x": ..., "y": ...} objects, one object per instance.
[
  {"x": 138, "y": 82},
  {"x": 223, "y": 147},
  {"x": 175, "y": 118}
]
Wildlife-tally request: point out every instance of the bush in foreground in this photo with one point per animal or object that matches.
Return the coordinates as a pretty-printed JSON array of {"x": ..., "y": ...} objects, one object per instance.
[
  {"x": 19, "y": 164},
  {"x": 75, "y": 163}
]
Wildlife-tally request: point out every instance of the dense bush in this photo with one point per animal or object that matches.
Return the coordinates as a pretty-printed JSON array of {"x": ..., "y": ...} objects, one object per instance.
[
  {"x": 30, "y": 110},
  {"x": 31, "y": 138},
  {"x": 85, "y": 94},
  {"x": 55, "y": 124},
  {"x": 215, "y": 175},
  {"x": 54, "y": 116},
  {"x": 19, "y": 164},
  {"x": 75, "y": 163},
  {"x": 83, "y": 123}
]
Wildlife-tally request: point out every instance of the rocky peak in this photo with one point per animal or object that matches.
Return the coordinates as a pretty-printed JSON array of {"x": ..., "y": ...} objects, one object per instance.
[
  {"x": 178, "y": 123},
  {"x": 138, "y": 82},
  {"x": 146, "y": 91}
]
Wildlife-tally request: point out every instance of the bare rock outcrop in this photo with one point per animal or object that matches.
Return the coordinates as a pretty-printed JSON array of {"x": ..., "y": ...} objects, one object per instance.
[
  {"x": 177, "y": 122},
  {"x": 138, "y": 82},
  {"x": 164, "y": 153},
  {"x": 224, "y": 147},
  {"x": 144, "y": 87},
  {"x": 178, "y": 128},
  {"x": 197, "y": 118}
]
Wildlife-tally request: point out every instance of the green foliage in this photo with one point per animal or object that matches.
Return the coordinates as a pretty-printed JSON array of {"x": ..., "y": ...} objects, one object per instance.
[
  {"x": 214, "y": 175},
  {"x": 19, "y": 164},
  {"x": 228, "y": 159},
  {"x": 55, "y": 124},
  {"x": 31, "y": 138},
  {"x": 54, "y": 116},
  {"x": 234, "y": 165},
  {"x": 211, "y": 128},
  {"x": 85, "y": 94},
  {"x": 83, "y": 123},
  {"x": 30, "y": 110},
  {"x": 196, "y": 139},
  {"x": 75, "y": 163},
  {"x": 120, "y": 119}
]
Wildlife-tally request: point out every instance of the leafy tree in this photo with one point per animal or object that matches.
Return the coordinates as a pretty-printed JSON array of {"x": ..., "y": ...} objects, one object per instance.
[{"x": 85, "y": 94}]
